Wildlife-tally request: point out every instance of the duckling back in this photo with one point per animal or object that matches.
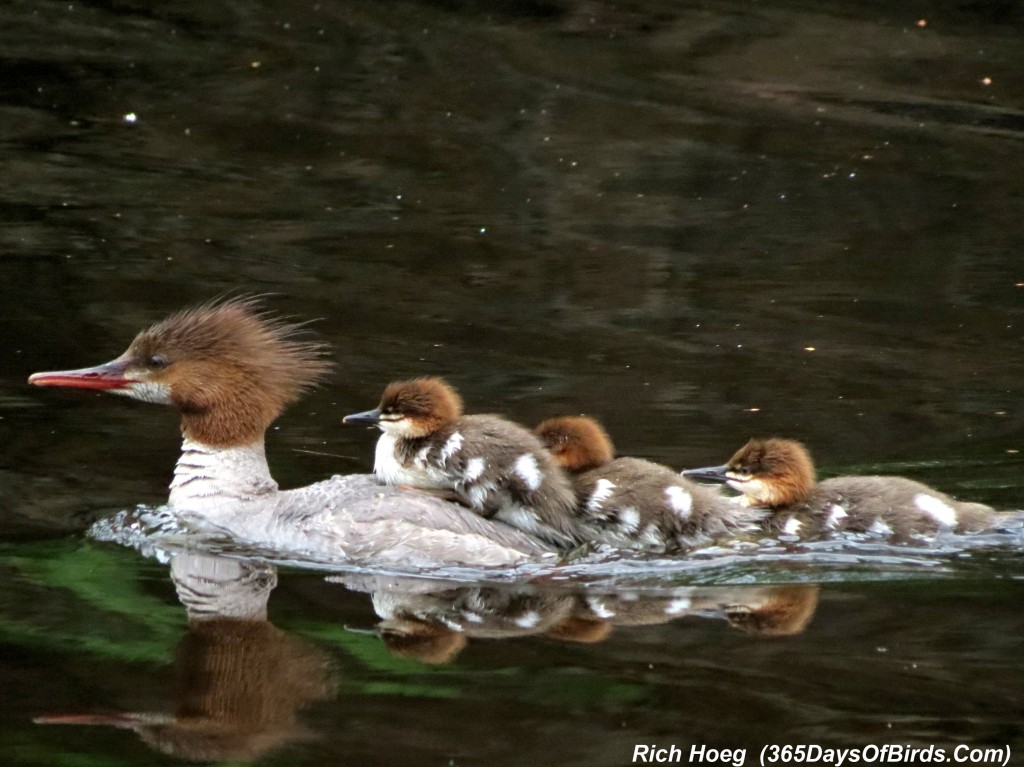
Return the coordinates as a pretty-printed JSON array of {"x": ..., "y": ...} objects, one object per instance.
[
  {"x": 891, "y": 506},
  {"x": 499, "y": 470},
  {"x": 636, "y": 504}
]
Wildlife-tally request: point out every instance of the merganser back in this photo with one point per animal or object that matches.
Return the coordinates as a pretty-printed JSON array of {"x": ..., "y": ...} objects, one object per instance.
[
  {"x": 230, "y": 370},
  {"x": 496, "y": 467},
  {"x": 633, "y": 503},
  {"x": 778, "y": 474}
]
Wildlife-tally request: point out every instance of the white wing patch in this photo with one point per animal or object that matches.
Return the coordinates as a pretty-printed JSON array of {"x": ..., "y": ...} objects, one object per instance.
[
  {"x": 629, "y": 518},
  {"x": 451, "y": 447},
  {"x": 680, "y": 500},
  {"x": 879, "y": 527},
  {"x": 942, "y": 513},
  {"x": 836, "y": 515},
  {"x": 792, "y": 526},
  {"x": 475, "y": 469},
  {"x": 529, "y": 471},
  {"x": 602, "y": 490}
]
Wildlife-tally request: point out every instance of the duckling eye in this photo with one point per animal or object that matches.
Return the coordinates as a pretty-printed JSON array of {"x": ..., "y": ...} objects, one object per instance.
[{"x": 157, "y": 361}]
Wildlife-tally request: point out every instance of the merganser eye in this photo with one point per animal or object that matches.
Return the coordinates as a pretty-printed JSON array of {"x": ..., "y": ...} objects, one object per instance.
[{"x": 157, "y": 361}]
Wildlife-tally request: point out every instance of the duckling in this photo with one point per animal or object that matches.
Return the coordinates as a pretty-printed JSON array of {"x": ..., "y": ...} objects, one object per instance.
[
  {"x": 632, "y": 503},
  {"x": 778, "y": 474},
  {"x": 495, "y": 467}
]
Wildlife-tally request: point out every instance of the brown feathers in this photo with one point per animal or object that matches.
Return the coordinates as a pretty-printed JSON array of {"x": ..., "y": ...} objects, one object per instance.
[
  {"x": 429, "y": 402},
  {"x": 578, "y": 443},
  {"x": 783, "y": 466},
  {"x": 231, "y": 368}
]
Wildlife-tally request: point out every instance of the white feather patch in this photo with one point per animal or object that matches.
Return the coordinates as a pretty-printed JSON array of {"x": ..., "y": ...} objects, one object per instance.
[
  {"x": 880, "y": 527},
  {"x": 680, "y": 500},
  {"x": 792, "y": 526},
  {"x": 602, "y": 490},
  {"x": 629, "y": 518},
  {"x": 836, "y": 515},
  {"x": 942, "y": 513},
  {"x": 478, "y": 494},
  {"x": 475, "y": 469},
  {"x": 529, "y": 471},
  {"x": 451, "y": 447}
]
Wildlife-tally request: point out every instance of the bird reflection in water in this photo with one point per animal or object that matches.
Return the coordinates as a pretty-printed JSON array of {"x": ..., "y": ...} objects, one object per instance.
[
  {"x": 241, "y": 680},
  {"x": 432, "y": 624}
]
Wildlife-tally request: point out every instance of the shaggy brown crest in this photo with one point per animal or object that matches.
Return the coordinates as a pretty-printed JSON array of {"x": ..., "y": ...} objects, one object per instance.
[
  {"x": 430, "y": 401},
  {"x": 578, "y": 443},
  {"x": 783, "y": 463},
  {"x": 231, "y": 367}
]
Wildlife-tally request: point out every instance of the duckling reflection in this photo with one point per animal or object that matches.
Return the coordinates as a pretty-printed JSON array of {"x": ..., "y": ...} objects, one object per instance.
[
  {"x": 430, "y": 623},
  {"x": 241, "y": 680}
]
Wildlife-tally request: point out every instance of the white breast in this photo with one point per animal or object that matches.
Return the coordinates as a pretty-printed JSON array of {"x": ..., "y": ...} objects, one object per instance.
[{"x": 390, "y": 470}]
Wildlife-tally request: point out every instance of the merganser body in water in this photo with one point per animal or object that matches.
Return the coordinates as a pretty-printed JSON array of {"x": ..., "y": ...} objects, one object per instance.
[
  {"x": 778, "y": 474},
  {"x": 230, "y": 370},
  {"x": 636, "y": 504},
  {"x": 495, "y": 467}
]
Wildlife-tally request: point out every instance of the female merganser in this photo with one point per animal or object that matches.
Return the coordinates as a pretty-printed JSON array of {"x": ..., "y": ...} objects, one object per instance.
[
  {"x": 241, "y": 681},
  {"x": 632, "y": 503},
  {"x": 778, "y": 474},
  {"x": 230, "y": 370},
  {"x": 496, "y": 467}
]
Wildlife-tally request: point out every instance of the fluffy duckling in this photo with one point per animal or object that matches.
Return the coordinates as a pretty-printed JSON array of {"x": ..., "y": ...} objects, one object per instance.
[
  {"x": 495, "y": 467},
  {"x": 778, "y": 474},
  {"x": 633, "y": 503}
]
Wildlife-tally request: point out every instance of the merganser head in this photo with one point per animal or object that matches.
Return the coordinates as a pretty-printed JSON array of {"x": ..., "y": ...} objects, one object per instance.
[
  {"x": 227, "y": 366},
  {"x": 577, "y": 443},
  {"x": 769, "y": 472},
  {"x": 412, "y": 409}
]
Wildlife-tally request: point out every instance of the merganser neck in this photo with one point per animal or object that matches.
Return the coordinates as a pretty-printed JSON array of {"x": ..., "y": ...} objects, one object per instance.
[{"x": 207, "y": 477}]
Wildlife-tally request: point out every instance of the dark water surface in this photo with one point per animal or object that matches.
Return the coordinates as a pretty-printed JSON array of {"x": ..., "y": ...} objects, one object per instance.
[{"x": 698, "y": 222}]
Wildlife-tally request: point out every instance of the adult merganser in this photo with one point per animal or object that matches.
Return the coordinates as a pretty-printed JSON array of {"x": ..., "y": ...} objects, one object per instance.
[
  {"x": 241, "y": 681},
  {"x": 778, "y": 474},
  {"x": 230, "y": 370},
  {"x": 632, "y": 503},
  {"x": 494, "y": 466}
]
